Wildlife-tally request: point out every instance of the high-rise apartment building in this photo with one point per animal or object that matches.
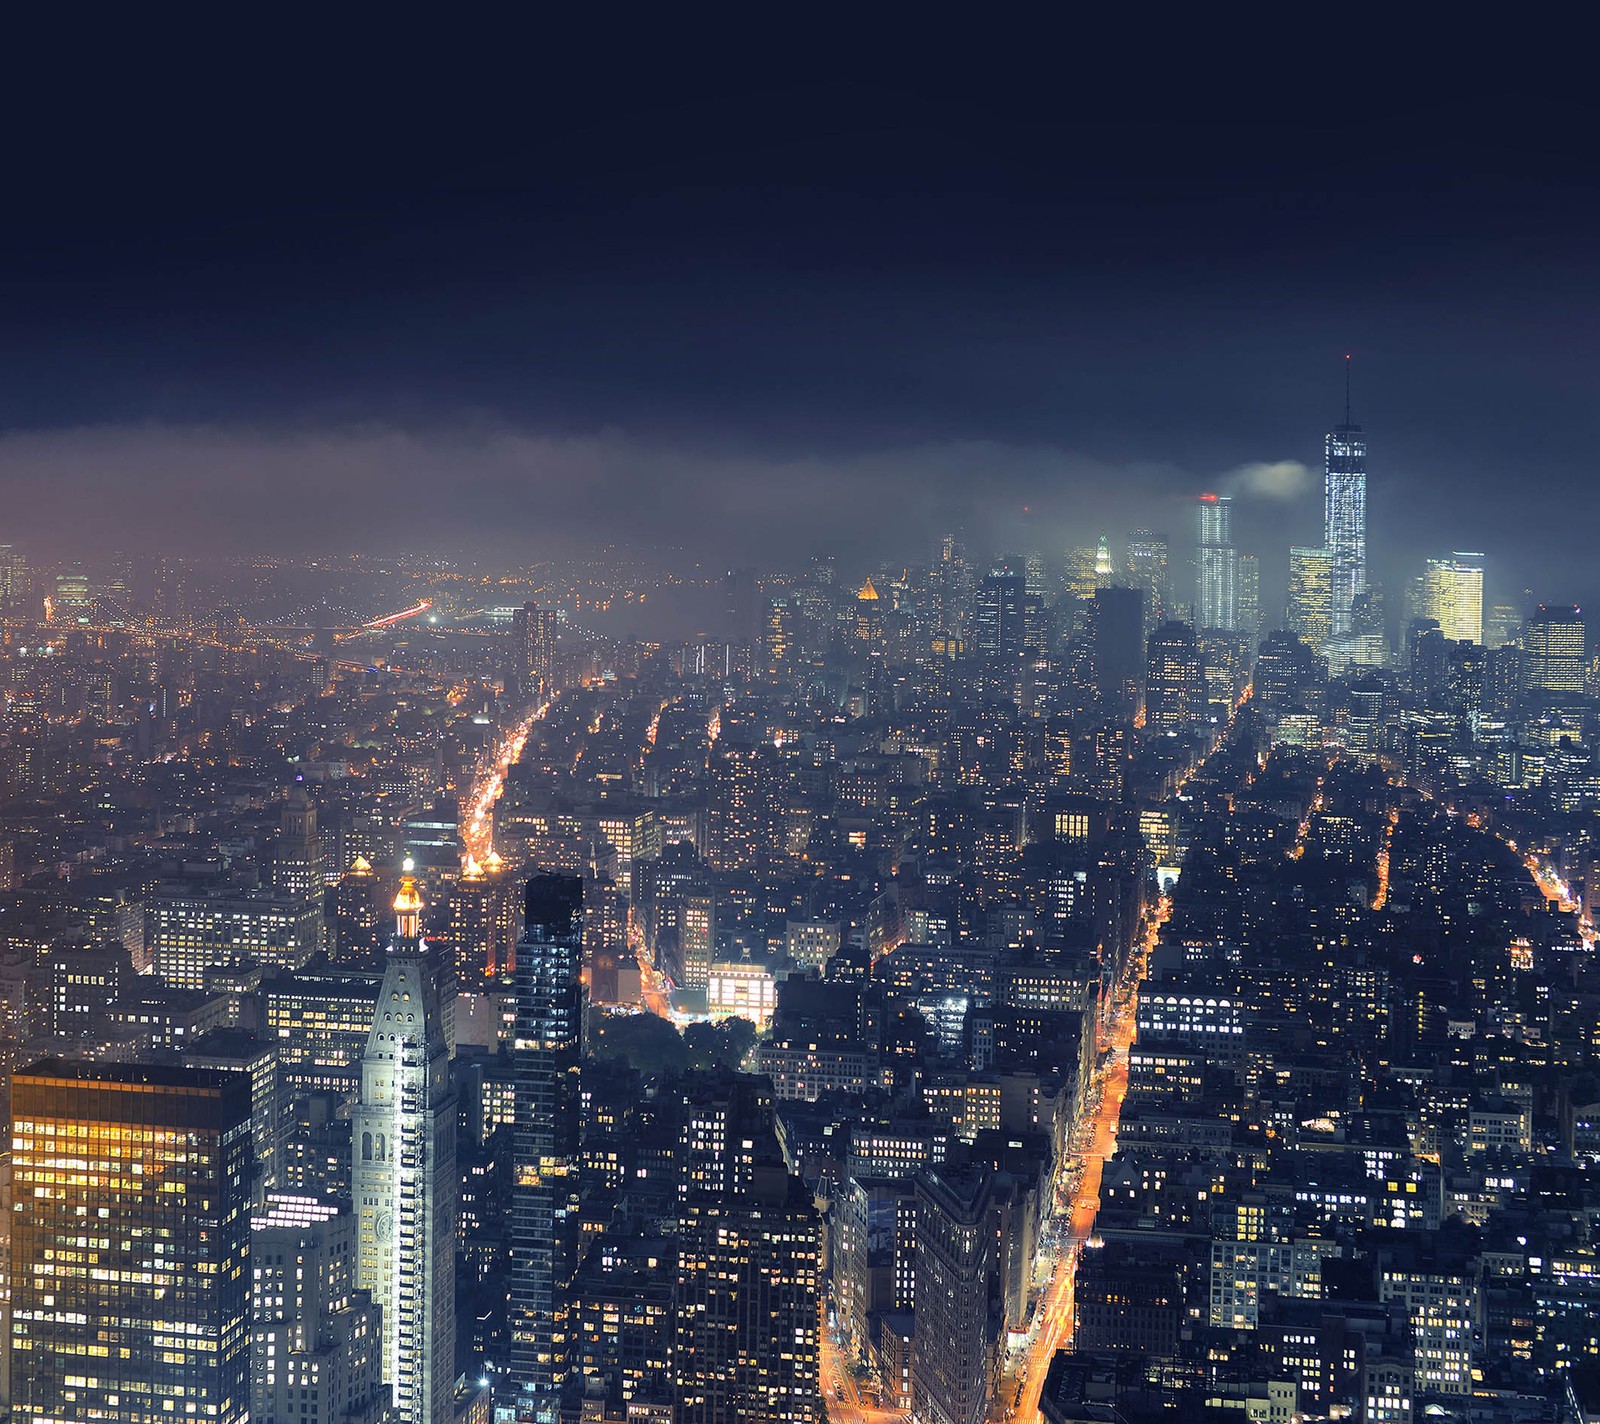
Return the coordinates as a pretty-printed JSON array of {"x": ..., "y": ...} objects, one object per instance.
[
  {"x": 1310, "y": 612},
  {"x": 130, "y": 1249},
  {"x": 403, "y": 1144},
  {"x": 1344, "y": 508},
  {"x": 1216, "y": 565},
  {"x": 548, "y": 1050},
  {"x": 533, "y": 648}
]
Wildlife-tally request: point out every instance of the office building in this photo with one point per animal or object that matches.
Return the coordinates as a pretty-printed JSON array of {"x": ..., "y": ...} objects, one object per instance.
[
  {"x": 1146, "y": 565},
  {"x": 953, "y": 1341},
  {"x": 1452, "y": 595},
  {"x": 1553, "y": 652},
  {"x": 1310, "y": 612},
  {"x": 403, "y": 1144},
  {"x": 189, "y": 931},
  {"x": 548, "y": 1051},
  {"x": 1116, "y": 622},
  {"x": 110, "y": 1163},
  {"x": 1080, "y": 577},
  {"x": 320, "y": 1023},
  {"x": 1344, "y": 506},
  {"x": 297, "y": 866},
  {"x": 746, "y": 1345},
  {"x": 315, "y": 1341},
  {"x": 1174, "y": 692},
  {"x": 1216, "y": 565},
  {"x": 1000, "y": 622},
  {"x": 1248, "y": 595}
]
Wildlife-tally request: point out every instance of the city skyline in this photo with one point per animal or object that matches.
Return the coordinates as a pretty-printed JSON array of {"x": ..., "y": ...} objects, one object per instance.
[{"x": 790, "y": 719}]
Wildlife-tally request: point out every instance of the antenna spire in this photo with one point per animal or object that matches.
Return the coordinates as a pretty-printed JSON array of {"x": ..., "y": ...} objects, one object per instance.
[{"x": 1347, "y": 390}]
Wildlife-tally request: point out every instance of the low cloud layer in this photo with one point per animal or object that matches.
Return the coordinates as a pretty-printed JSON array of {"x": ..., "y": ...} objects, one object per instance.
[
  {"x": 233, "y": 489},
  {"x": 1270, "y": 479}
]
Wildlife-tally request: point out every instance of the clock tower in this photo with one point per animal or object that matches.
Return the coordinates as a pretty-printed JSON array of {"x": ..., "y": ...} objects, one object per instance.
[{"x": 404, "y": 1172}]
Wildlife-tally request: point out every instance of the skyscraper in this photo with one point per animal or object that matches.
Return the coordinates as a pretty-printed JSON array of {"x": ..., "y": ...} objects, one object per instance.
[
  {"x": 956, "y": 1328},
  {"x": 297, "y": 867},
  {"x": 745, "y": 1347},
  {"x": 1553, "y": 652},
  {"x": 1117, "y": 624},
  {"x": 1104, "y": 569},
  {"x": 403, "y": 1141},
  {"x": 1147, "y": 569},
  {"x": 1216, "y": 565},
  {"x": 129, "y": 1268},
  {"x": 1080, "y": 574},
  {"x": 548, "y": 1050},
  {"x": 1248, "y": 601},
  {"x": 1174, "y": 694},
  {"x": 999, "y": 627},
  {"x": 1452, "y": 595},
  {"x": 1344, "y": 508},
  {"x": 1311, "y": 596}
]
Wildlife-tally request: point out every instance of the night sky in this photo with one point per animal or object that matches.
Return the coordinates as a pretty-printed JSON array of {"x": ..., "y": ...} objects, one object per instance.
[{"x": 794, "y": 283}]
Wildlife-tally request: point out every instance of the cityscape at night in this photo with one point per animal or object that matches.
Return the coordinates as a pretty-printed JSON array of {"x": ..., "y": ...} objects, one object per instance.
[{"x": 688, "y": 742}]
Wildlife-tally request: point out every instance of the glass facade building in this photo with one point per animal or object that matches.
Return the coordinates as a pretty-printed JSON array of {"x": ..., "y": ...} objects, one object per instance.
[
  {"x": 548, "y": 1051},
  {"x": 130, "y": 1244},
  {"x": 1344, "y": 508}
]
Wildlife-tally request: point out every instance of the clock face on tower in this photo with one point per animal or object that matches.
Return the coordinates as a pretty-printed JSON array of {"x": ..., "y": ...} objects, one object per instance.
[{"x": 385, "y": 1225}]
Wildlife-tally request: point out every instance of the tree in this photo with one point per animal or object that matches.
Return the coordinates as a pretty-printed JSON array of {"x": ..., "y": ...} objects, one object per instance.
[{"x": 644, "y": 1041}]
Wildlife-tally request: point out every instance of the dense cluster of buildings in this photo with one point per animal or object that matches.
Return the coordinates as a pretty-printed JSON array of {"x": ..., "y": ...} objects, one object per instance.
[{"x": 463, "y": 1015}]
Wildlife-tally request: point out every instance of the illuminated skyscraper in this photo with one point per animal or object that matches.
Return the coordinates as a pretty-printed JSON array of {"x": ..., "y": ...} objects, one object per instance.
[
  {"x": 130, "y": 1254},
  {"x": 1147, "y": 570},
  {"x": 533, "y": 643},
  {"x": 548, "y": 1050},
  {"x": 745, "y": 1346},
  {"x": 1553, "y": 652},
  {"x": 1174, "y": 694},
  {"x": 869, "y": 615},
  {"x": 1311, "y": 596},
  {"x": 403, "y": 1140},
  {"x": 780, "y": 636},
  {"x": 1452, "y": 595},
  {"x": 1080, "y": 574},
  {"x": 1249, "y": 601},
  {"x": 1216, "y": 565},
  {"x": 1104, "y": 569},
  {"x": 1344, "y": 512},
  {"x": 1000, "y": 623},
  {"x": 485, "y": 918}
]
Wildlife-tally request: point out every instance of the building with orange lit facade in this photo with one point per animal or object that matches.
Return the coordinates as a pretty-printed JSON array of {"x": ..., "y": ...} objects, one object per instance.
[{"x": 130, "y": 1244}]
